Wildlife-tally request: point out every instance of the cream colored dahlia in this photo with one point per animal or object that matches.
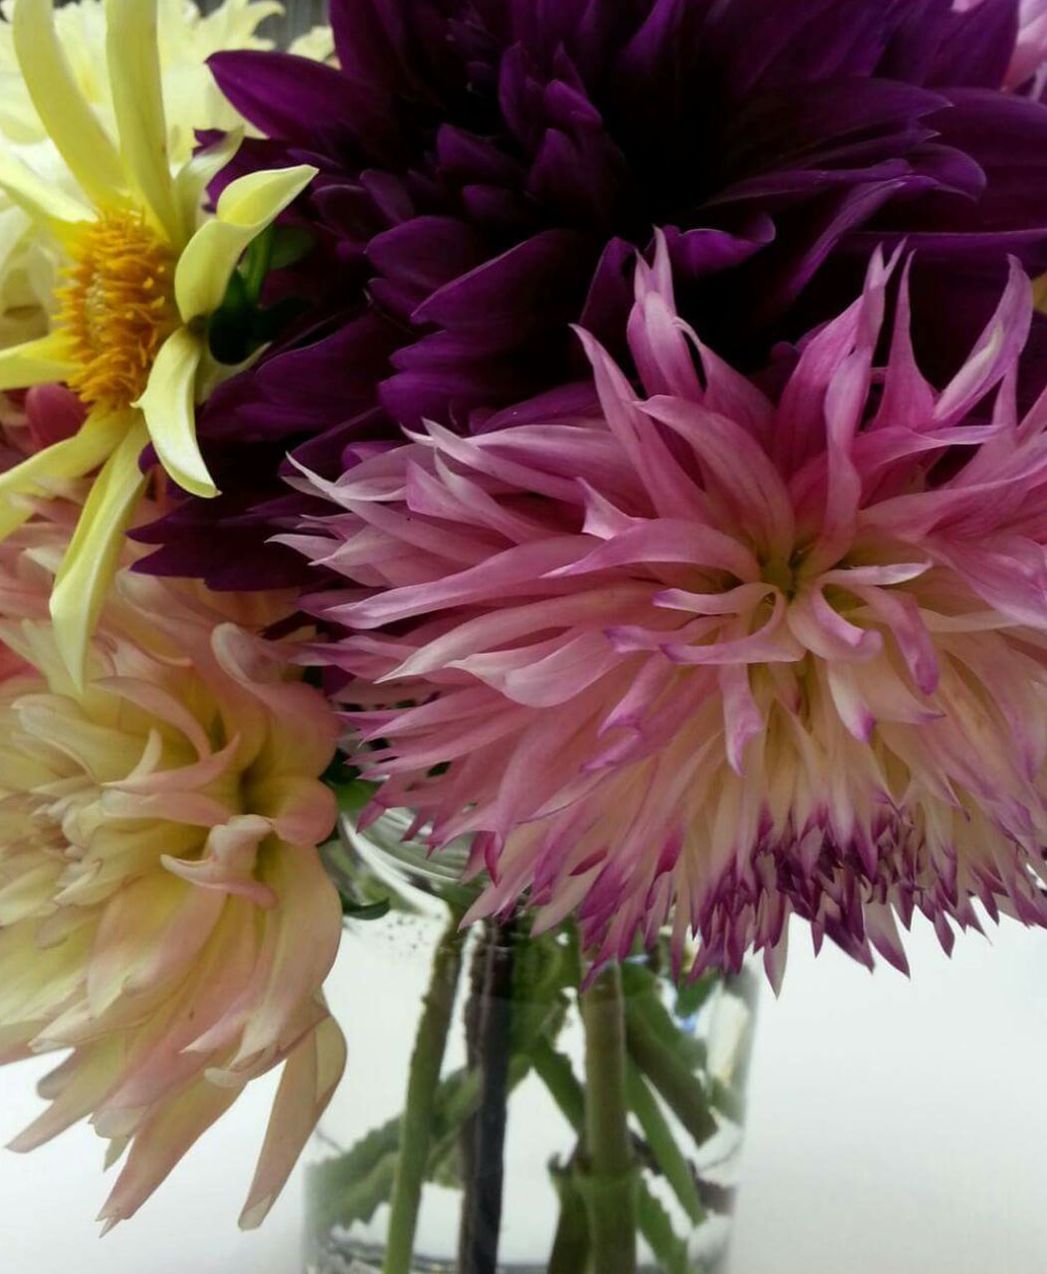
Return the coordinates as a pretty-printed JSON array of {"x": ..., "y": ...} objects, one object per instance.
[{"x": 164, "y": 913}]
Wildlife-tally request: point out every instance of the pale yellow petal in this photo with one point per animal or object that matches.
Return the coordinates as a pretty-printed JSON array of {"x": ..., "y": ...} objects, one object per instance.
[
  {"x": 245, "y": 209},
  {"x": 42, "y": 473},
  {"x": 134, "y": 75},
  {"x": 72, "y": 458},
  {"x": 34, "y": 363},
  {"x": 64, "y": 111},
  {"x": 168, "y": 1129},
  {"x": 311, "y": 1075},
  {"x": 44, "y": 201},
  {"x": 93, "y": 556},
  {"x": 195, "y": 176},
  {"x": 14, "y": 512},
  {"x": 169, "y": 406},
  {"x": 87, "y": 1077}
]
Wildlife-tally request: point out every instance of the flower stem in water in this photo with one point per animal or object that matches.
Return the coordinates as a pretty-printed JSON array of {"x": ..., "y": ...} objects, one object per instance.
[
  {"x": 423, "y": 1082},
  {"x": 491, "y": 1021},
  {"x": 611, "y": 1178}
]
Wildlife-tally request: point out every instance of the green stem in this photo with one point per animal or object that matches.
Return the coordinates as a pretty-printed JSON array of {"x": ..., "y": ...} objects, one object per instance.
[
  {"x": 570, "y": 1252},
  {"x": 351, "y": 1186},
  {"x": 657, "y": 1229},
  {"x": 556, "y": 1073},
  {"x": 669, "y": 1074},
  {"x": 612, "y": 1175},
  {"x": 671, "y": 1161},
  {"x": 483, "y": 1139},
  {"x": 423, "y": 1083}
]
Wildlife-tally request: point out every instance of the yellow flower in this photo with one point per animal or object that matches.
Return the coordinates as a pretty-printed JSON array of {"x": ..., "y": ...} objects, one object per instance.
[
  {"x": 316, "y": 43},
  {"x": 186, "y": 39},
  {"x": 192, "y": 100},
  {"x": 142, "y": 275}
]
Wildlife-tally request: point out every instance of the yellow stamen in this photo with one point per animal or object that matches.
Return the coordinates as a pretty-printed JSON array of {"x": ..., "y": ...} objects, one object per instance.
[{"x": 116, "y": 307}]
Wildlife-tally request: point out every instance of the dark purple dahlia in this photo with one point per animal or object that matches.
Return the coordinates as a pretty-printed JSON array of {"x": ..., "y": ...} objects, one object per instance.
[{"x": 489, "y": 168}]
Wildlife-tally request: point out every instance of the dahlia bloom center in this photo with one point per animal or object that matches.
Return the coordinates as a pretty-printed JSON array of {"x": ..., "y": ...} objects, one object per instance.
[
  {"x": 89, "y": 759},
  {"x": 116, "y": 307},
  {"x": 780, "y": 572}
]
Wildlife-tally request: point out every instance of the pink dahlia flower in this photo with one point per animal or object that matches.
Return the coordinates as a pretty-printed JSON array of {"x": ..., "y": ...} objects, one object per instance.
[
  {"x": 164, "y": 913},
  {"x": 709, "y": 659}
]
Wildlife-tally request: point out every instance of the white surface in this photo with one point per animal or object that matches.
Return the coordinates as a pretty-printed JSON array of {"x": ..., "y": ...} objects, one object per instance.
[
  {"x": 897, "y": 1128},
  {"x": 48, "y": 1201}
]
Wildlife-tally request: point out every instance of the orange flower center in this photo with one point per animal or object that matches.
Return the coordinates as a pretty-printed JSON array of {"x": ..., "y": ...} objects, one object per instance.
[{"x": 116, "y": 307}]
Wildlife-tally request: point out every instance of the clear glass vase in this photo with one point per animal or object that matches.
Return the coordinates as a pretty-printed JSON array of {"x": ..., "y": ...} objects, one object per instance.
[{"x": 498, "y": 1114}]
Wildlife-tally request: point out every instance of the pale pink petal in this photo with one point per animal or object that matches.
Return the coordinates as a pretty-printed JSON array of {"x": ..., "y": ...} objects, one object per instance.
[
  {"x": 996, "y": 352},
  {"x": 311, "y": 1075},
  {"x": 738, "y": 466}
]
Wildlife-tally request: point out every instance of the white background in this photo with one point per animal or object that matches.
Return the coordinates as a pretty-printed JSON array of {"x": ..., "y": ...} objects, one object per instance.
[{"x": 896, "y": 1128}]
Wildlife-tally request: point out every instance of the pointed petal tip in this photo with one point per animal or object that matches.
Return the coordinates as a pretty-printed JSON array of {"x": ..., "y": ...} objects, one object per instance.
[
  {"x": 255, "y": 1211},
  {"x": 22, "y": 1144},
  {"x": 109, "y": 1218}
]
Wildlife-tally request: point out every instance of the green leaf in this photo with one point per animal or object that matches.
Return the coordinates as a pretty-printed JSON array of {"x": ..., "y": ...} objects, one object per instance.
[
  {"x": 728, "y": 1101},
  {"x": 354, "y": 795},
  {"x": 692, "y": 997},
  {"x": 256, "y": 263},
  {"x": 366, "y": 911},
  {"x": 557, "y": 1074},
  {"x": 662, "y": 1239},
  {"x": 242, "y": 325},
  {"x": 670, "y": 1159},
  {"x": 290, "y": 245},
  {"x": 543, "y": 974},
  {"x": 644, "y": 998},
  {"x": 363, "y": 896},
  {"x": 446, "y": 1168},
  {"x": 227, "y": 326},
  {"x": 353, "y": 1186},
  {"x": 665, "y": 1055},
  {"x": 349, "y": 1188}
]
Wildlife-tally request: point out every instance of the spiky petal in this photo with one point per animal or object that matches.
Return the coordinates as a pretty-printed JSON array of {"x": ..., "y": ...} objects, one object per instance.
[{"x": 709, "y": 658}]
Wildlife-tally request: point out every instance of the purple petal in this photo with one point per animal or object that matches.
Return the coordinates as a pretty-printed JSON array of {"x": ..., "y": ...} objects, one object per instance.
[
  {"x": 303, "y": 102},
  {"x": 978, "y": 45}
]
